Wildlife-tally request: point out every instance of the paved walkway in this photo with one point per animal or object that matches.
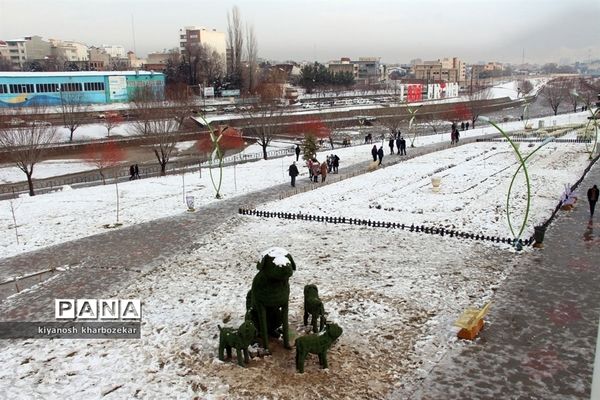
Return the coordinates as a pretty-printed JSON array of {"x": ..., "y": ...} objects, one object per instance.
[
  {"x": 540, "y": 337},
  {"x": 95, "y": 266}
]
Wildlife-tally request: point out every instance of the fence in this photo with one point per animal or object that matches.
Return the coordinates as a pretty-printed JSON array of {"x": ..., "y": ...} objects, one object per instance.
[{"x": 387, "y": 225}]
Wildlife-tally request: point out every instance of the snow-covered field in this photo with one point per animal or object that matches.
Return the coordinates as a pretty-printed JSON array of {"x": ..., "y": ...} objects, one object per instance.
[
  {"x": 395, "y": 294},
  {"x": 48, "y": 219}
]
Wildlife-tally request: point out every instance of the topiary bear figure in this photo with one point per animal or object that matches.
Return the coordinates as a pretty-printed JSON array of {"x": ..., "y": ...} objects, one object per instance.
[
  {"x": 239, "y": 339},
  {"x": 268, "y": 300},
  {"x": 313, "y": 306},
  {"x": 318, "y": 344}
]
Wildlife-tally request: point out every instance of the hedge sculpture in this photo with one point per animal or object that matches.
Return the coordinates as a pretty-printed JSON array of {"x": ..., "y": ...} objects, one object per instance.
[
  {"x": 316, "y": 344},
  {"x": 313, "y": 306},
  {"x": 268, "y": 300},
  {"x": 239, "y": 339}
]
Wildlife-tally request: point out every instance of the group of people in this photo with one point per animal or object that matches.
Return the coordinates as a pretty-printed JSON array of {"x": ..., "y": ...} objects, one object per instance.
[
  {"x": 134, "y": 172},
  {"x": 315, "y": 168},
  {"x": 400, "y": 143}
]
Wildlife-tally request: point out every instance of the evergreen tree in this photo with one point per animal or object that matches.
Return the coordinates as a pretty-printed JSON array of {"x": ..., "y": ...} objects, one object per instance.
[{"x": 309, "y": 147}]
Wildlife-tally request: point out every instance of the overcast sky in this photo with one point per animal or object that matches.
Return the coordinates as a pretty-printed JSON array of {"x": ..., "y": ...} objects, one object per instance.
[{"x": 322, "y": 30}]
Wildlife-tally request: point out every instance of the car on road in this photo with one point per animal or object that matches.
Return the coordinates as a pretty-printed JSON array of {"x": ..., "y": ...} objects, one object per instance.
[
  {"x": 39, "y": 123},
  {"x": 16, "y": 121},
  {"x": 229, "y": 109},
  {"x": 108, "y": 114},
  {"x": 208, "y": 109}
]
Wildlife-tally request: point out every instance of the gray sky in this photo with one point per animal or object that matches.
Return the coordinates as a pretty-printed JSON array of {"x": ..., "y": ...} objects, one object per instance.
[{"x": 395, "y": 30}]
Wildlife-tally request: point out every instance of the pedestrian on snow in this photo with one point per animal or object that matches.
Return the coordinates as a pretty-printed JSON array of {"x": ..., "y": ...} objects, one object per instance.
[
  {"x": 309, "y": 165},
  {"x": 467, "y": 125},
  {"x": 374, "y": 152},
  {"x": 402, "y": 146},
  {"x": 592, "y": 195},
  {"x": 399, "y": 144},
  {"x": 323, "y": 172},
  {"x": 297, "y": 152},
  {"x": 293, "y": 171},
  {"x": 453, "y": 136},
  {"x": 380, "y": 154},
  {"x": 462, "y": 126},
  {"x": 456, "y": 135},
  {"x": 329, "y": 163},
  {"x": 391, "y": 144},
  {"x": 336, "y": 163},
  {"x": 137, "y": 171},
  {"x": 316, "y": 169},
  {"x": 131, "y": 172}
]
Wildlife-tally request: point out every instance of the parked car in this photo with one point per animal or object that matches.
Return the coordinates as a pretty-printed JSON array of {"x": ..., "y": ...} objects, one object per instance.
[
  {"x": 16, "y": 121},
  {"x": 209, "y": 109},
  {"x": 229, "y": 109},
  {"x": 39, "y": 123}
]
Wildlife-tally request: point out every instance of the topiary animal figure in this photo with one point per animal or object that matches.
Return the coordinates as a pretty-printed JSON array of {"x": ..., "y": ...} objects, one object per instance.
[
  {"x": 316, "y": 344},
  {"x": 313, "y": 306},
  {"x": 268, "y": 300},
  {"x": 239, "y": 339}
]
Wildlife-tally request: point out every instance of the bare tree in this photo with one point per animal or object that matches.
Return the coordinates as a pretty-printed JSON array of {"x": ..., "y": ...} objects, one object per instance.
[
  {"x": 25, "y": 146},
  {"x": 145, "y": 102},
  {"x": 392, "y": 122},
  {"x": 73, "y": 110},
  {"x": 5, "y": 64},
  {"x": 182, "y": 102},
  {"x": 589, "y": 90},
  {"x": 235, "y": 40},
  {"x": 111, "y": 121},
  {"x": 166, "y": 135},
  {"x": 476, "y": 104},
  {"x": 555, "y": 92},
  {"x": 252, "y": 54}
]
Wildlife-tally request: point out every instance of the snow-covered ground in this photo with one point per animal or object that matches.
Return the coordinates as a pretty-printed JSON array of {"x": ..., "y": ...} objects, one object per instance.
[
  {"x": 395, "y": 294},
  {"x": 48, "y": 219}
]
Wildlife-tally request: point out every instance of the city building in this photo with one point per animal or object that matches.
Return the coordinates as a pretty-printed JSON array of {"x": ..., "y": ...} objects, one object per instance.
[
  {"x": 442, "y": 70},
  {"x": 114, "y": 51},
  {"x": 22, "y": 89},
  {"x": 192, "y": 36},
  {"x": 69, "y": 50},
  {"x": 156, "y": 61},
  {"x": 36, "y": 48},
  {"x": 344, "y": 65},
  {"x": 366, "y": 70},
  {"x": 98, "y": 59},
  {"x": 16, "y": 51}
]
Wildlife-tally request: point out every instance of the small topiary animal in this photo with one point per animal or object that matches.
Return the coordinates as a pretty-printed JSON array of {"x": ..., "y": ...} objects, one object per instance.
[
  {"x": 316, "y": 344},
  {"x": 239, "y": 339},
  {"x": 313, "y": 306}
]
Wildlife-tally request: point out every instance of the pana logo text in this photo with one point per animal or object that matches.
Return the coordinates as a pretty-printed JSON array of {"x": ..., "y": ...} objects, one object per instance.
[{"x": 98, "y": 309}]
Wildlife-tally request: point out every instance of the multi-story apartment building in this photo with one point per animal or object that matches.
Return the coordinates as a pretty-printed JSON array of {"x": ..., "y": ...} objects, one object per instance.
[
  {"x": 192, "y": 36},
  {"x": 15, "y": 51},
  {"x": 365, "y": 70},
  {"x": 114, "y": 51},
  {"x": 447, "y": 70},
  {"x": 69, "y": 50}
]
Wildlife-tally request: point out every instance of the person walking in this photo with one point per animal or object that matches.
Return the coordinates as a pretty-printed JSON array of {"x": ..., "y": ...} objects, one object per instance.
[
  {"x": 380, "y": 154},
  {"x": 131, "y": 172},
  {"x": 297, "y": 152},
  {"x": 293, "y": 171},
  {"x": 462, "y": 126},
  {"x": 136, "y": 169},
  {"x": 592, "y": 195},
  {"x": 324, "y": 169},
  {"x": 399, "y": 144},
  {"x": 374, "y": 152},
  {"x": 336, "y": 163},
  {"x": 467, "y": 125},
  {"x": 402, "y": 146},
  {"x": 391, "y": 144}
]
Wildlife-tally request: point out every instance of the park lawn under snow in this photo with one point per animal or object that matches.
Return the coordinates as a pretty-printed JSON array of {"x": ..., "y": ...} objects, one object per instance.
[
  {"x": 396, "y": 307},
  {"x": 396, "y": 304},
  {"x": 66, "y": 215}
]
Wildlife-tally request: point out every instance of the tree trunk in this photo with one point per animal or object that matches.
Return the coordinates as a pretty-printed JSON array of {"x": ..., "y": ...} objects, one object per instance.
[
  {"x": 71, "y": 137},
  {"x": 30, "y": 184},
  {"x": 163, "y": 167},
  {"x": 264, "y": 149}
]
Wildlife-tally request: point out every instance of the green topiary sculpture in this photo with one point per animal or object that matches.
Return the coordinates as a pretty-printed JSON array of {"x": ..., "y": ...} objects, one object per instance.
[
  {"x": 316, "y": 344},
  {"x": 239, "y": 339},
  {"x": 313, "y": 306},
  {"x": 268, "y": 300}
]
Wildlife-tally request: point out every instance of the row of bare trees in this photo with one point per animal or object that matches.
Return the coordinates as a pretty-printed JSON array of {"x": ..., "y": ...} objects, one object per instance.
[{"x": 572, "y": 90}]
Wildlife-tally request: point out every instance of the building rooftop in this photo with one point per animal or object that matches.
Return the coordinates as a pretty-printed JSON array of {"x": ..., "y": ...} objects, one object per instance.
[{"x": 76, "y": 73}]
